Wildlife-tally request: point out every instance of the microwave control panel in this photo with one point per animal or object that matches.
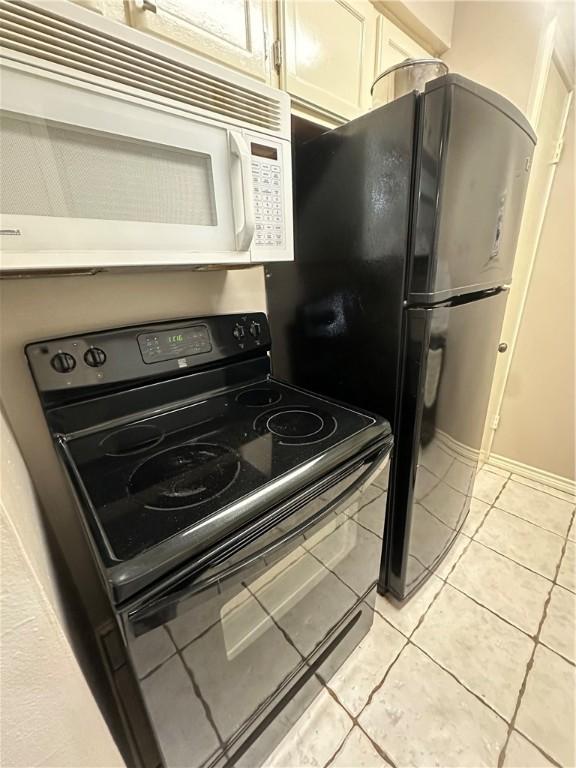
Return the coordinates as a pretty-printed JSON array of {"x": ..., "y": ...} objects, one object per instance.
[{"x": 267, "y": 185}]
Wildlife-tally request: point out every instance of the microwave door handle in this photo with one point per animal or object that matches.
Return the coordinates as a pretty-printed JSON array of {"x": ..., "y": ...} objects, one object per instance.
[{"x": 242, "y": 191}]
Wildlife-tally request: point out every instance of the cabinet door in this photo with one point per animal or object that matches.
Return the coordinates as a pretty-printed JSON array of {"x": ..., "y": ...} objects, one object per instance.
[
  {"x": 329, "y": 54},
  {"x": 232, "y": 32},
  {"x": 393, "y": 46}
]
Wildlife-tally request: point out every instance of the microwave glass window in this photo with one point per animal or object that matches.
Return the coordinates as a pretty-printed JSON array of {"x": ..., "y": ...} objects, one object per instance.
[
  {"x": 261, "y": 150},
  {"x": 90, "y": 175}
]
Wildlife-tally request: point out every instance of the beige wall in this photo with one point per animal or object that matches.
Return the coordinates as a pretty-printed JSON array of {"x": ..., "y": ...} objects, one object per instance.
[
  {"x": 32, "y": 309},
  {"x": 49, "y": 717},
  {"x": 538, "y": 418},
  {"x": 496, "y": 44}
]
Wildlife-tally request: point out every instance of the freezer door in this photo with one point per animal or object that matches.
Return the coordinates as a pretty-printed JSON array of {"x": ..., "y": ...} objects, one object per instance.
[
  {"x": 449, "y": 361},
  {"x": 472, "y": 168}
]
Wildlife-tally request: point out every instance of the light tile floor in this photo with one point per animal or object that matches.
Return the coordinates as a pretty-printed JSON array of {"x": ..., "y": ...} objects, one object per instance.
[{"x": 479, "y": 667}]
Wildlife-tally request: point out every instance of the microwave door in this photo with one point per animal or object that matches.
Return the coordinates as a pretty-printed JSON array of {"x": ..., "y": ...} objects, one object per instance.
[{"x": 93, "y": 179}]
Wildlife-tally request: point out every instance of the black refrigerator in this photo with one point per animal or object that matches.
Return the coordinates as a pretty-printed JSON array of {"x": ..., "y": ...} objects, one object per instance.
[{"x": 406, "y": 225}]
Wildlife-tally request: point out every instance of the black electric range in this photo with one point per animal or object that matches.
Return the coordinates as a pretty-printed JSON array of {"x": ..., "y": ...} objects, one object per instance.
[
  {"x": 175, "y": 435},
  {"x": 178, "y": 481},
  {"x": 211, "y": 491}
]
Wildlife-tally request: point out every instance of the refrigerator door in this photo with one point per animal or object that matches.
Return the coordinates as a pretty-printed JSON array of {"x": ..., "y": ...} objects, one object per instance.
[
  {"x": 449, "y": 358},
  {"x": 474, "y": 154},
  {"x": 336, "y": 312}
]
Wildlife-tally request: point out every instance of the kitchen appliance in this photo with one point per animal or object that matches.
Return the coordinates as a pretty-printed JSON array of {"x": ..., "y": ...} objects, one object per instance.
[
  {"x": 407, "y": 222},
  {"x": 118, "y": 149},
  {"x": 408, "y": 75},
  {"x": 231, "y": 517}
]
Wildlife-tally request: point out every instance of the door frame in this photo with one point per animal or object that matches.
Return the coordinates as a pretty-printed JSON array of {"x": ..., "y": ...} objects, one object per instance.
[{"x": 548, "y": 54}]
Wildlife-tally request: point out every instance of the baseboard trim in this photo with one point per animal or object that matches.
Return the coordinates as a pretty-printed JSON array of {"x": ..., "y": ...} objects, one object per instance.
[
  {"x": 459, "y": 449},
  {"x": 533, "y": 473}
]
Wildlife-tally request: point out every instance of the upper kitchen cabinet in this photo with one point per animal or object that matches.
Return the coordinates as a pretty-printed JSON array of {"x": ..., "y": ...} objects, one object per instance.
[
  {"x": 233, "y": 32},
  {"x": 328, "y": 56}
]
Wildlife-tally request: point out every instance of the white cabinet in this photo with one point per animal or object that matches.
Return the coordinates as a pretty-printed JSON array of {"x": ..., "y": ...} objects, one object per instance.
[
  {"x": 233, "y": 32},
  {"x": 328, "y": 54},
  {"x": 393, "y": 46}
]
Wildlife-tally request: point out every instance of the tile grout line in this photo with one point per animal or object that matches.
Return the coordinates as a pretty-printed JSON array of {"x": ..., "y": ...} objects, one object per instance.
[
  {"x": 157, "y": 667},
  {"x": 471, "y": 539},
  {"x": 443, "y": 522},
  {"x": 558, "y": 653},
  {"x": 390, "y": 624},
  {"x": 490, "y": 610},
  {"x": 383, "y": 754},
  {"x": 355, "y": 724},
  {"x": 407, "y": 637},
  {"x": 536, "y": 525},
  {"x": 530, "y": 663},
  {"x": 522, "y": 565},
  {"x": 538, "y": 490},
  {"x": 274, "y": 621},
  {"x": 199, "y": 694},
  {"x": 455, "y": 677},
  {"x": 492, "y": 507},
  {"x": 542, "y": 752},
  {"x": 339, "y": 748},
  {"x": 523, "y": 478},
  {"x": 381, "y": 683}
]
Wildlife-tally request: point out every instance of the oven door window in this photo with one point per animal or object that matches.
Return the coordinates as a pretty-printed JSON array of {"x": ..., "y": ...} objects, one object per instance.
[{"x": 224, "y": 655}]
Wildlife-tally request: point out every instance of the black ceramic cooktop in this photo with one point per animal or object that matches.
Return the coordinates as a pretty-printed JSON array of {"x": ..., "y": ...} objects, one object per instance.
[{"x": 166, "y": 474}]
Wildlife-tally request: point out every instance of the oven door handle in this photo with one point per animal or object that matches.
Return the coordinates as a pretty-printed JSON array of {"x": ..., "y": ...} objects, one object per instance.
[{"x": 195, "y": 585}]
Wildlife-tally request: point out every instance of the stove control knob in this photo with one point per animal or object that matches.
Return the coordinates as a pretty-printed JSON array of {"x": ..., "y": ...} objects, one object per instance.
[
  {"x": 255, "y": 329},
  {"x": 63, "y": 362},
  {"x": 239, "y": 332},
  {"x": 95, "y": 357}
]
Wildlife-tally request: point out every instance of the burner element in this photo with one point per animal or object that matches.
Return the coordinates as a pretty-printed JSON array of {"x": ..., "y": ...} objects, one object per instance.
[
  {"x": 299, "y": 425},
  {"x": 259, "y": 397},
  {"x": 184, "y": 476},
  {"x": 295, "y": 424},
  {"x": 132, "y": 439}
]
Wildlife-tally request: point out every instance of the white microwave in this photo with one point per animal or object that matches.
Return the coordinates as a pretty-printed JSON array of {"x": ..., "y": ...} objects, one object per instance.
[{"x": 120, "y": 150}]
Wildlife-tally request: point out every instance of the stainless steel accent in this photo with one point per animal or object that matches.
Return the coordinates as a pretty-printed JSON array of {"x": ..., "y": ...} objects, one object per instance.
[
  {"x": 502, "y": 347},
  {"x": 408, "y": 75}
]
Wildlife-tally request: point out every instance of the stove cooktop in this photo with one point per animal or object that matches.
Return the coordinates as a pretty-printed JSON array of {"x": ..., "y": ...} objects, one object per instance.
[{"x": 170, "y": 473}]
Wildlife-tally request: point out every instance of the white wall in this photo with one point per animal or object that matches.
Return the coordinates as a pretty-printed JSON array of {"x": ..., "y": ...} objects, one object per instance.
[{"x": 48, "y": 714}]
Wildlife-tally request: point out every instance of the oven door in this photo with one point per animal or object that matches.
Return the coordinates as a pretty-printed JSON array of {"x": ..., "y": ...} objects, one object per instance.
[
  {"x": 229, "y": 660},
  {"x": 94, "y": 178}
]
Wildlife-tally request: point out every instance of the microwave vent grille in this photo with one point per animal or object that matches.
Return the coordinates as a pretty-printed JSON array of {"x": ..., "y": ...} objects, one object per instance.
[{"x": 89, "y": 54}]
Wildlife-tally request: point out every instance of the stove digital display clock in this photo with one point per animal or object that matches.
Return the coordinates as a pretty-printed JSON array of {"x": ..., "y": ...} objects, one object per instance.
[{"x": 168, "y": 345}]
